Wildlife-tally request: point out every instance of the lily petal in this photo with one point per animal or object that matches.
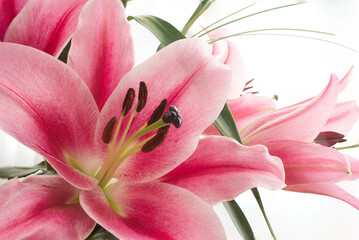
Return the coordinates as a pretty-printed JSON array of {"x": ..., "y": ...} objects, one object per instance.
[
  {"x": 326, "y": 189},
  {"x": 309, "y": 162},
  {"x": 220, "y": 169},
  {"x": 185, "y": 72},
  {"x": 246, "y": 109},
  {"x": 40, "y": 208},
  {"x": 102, "y": 55},
  {"x": 304, "y": 122},
  {"x": 354, "y": 167},
  {"x": 228, "y": 53},
  {"x": 8, "y": 11},
  {"x": 343, "y": 118},
  {"x": 45, "y": 24},
  {"x": 152, "y": 210},
  {"x": 38, "y": 108}
]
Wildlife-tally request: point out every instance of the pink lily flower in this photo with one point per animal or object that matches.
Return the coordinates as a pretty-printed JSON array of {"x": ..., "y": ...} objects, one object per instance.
[
  {"x": 121, "y": 162},
  {"x": 301, "y": 135},
  {"x": 43, "y": 24}
]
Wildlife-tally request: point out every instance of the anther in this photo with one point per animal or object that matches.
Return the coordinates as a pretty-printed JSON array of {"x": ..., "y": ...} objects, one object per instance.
[
  {"x": 142, "y": 97},
  {"x": 158, "y": 112},
  {"x": 173, "y": 116},
  {"x": 329, "y": 139},
  {"x": 127, "y": 103},
  {"x": 108, "y": 131},
  {"x": 157, "y": 140}
]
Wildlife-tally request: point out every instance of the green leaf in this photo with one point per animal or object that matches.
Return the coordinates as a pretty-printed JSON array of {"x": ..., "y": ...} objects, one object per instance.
[
  {"x": 202, "y": 7},
  {"x": 226, "y": 125},
  {"x": 12, "y": 172},
  {"x": 99, "y": 233},
  {"x": 162, "y": 30},
  {"x": 260, "y": 204},
  {"x": 65, "y": 53},
  {"x": 239, "y": 219}
]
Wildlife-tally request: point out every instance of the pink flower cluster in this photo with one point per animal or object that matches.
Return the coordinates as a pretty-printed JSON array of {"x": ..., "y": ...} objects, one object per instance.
[{"x": 125, "y": 140}]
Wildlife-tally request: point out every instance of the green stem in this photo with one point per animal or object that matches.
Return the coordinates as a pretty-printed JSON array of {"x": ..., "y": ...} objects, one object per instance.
[
  {"x": 202, "y": 7},
  {"x": 220, "y": 20},
  {"x": 260, "y": 204},
  {"x": 299, "y": 36},
  {"x": 347, "y": 147},
  {"x": 271, "y": 29},
  {"x": 250, "y": 15}
]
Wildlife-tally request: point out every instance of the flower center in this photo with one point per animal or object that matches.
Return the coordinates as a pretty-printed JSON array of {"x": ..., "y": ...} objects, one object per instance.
[{"x": 120, "y": 149}]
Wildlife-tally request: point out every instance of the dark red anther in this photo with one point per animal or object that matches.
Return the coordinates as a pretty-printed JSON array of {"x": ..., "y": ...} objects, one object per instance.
[
  {"x": 157, "y": 140},
  {"x": 142, "y": 97},
  {"x": 108, "y": 131},
  {"x": 128, "y": 101},
  {"x": 329, "y": 138},
  {"x": 158, "y": 112}
]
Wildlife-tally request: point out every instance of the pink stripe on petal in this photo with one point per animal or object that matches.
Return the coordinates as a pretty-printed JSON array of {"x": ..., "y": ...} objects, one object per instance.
[
  {"x": 309, "y": 162},
  {"x": 101, "y": 48},
  {"x": 152, "y": 210},
  {"x": 302, "y": 123},
  {"x": 183, "y": 73},
  {"x": 220, "y": 169},
  {"x": 8, "y": 11},
  {"x": 45, "y": 24},
  {"x": 326, "y": 189},
  {"x": 47, "y": 107},
  {"x": 39, "y": 208}
]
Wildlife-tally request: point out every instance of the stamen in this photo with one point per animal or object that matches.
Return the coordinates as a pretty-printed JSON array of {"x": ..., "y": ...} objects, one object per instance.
[
  {"x": 108, "y": 131},
  {"x": 157, "y": 140},
  {"x": 127, "y": 103},
  {"x": 158, "y": 112},
  {"x": 247, "y": 88},
  {"x": 173, "y": 116},
  {"x": 329, "y": 138},
  {"x": 142, "y": 97},
  {"x": 247, "y": 83}
]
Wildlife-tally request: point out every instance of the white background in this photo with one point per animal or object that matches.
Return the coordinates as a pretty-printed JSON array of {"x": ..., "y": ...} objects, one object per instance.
[{"x": 292, "y": 68}]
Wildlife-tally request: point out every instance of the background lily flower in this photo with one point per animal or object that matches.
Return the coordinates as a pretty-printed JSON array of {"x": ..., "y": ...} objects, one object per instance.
[
  {"x": 301, "y": 136},
  {"x": 106, "y": 129},
  {"x": 43, "y": 24}
]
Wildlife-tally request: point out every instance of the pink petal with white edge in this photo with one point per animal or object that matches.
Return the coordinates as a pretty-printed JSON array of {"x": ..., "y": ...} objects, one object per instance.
[
  {"x": 354, "y": 167},
  {"x": 183, "y": 73},
  {"x": 344, "y": 82},
  {"x": 45, "y": 24},
  {"x": 8, "y": 10},
  {"x": 302, "y": 123},
  {"x": 246, "y": 109},
  {"x": 309, "y": 162},
  {"x": 47, "y": 107},
  {"x": 326, "y": 189},
  {"x": 343, "y": 118},
  {"x": 101, "y": 48},
  {"x": 220, "y": 169},
  {"x": 152, "y": 210},
  {"x": 229, "y": 54},
  {"x": 40, "y": 208}
]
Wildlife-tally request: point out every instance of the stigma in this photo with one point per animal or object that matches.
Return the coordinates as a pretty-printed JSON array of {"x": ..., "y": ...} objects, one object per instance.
[{"x": 146, "y": 139}]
